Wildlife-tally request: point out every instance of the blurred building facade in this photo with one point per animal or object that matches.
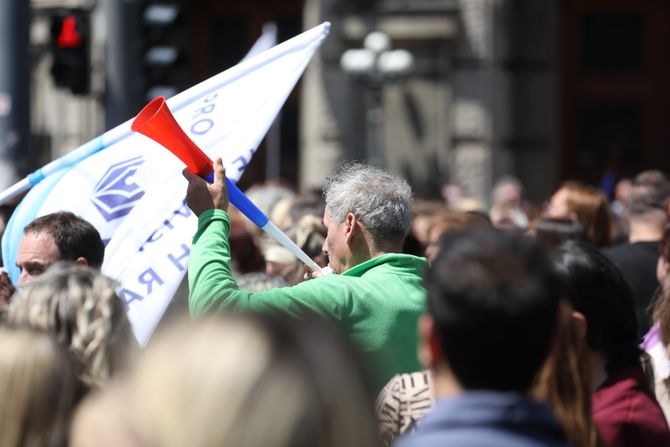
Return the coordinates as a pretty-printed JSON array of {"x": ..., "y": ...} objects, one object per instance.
[
  {"x": 480, "y": 103},
  {"x": 543, "y": 90}
]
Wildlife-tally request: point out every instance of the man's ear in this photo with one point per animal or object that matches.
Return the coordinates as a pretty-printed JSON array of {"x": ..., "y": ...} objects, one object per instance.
[
  {"x": 351, "y": 226},
  {"x": 430, "y": 352},
  {"x": 580, "y": 322},
  {"x": 81, "y": 261}
]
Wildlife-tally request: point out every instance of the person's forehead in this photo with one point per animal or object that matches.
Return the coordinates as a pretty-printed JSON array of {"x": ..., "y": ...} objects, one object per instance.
[{"x": 38, "y": 245}]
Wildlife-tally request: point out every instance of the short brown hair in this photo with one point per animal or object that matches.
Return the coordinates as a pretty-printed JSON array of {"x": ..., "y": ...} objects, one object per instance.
[{"x": 74, "y": 236}]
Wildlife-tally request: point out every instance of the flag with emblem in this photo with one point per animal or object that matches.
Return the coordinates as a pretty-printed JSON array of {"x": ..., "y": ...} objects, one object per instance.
[{"x": 131, "y": 189}]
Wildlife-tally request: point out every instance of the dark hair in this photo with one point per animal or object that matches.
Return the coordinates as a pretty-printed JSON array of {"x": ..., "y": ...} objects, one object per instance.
[
  {"x": 493, "y": 297},
  {"x": 74, "y": 236},
  {"x": 596, "y": 288},
  {"x": 649, "y": 192},
  {"x": 552, "y": 232}
]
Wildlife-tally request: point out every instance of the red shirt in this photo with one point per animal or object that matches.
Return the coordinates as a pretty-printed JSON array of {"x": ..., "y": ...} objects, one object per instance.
[{"x": 626, "y": 412}]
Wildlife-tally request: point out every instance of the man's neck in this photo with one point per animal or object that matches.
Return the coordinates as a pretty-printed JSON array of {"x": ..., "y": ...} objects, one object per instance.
[
  {"x": 375, "y": 252},
  {"x": 645, "y": 231},
  {"x": 364, "y": 249},
  {"x": 445, "y": 383}
]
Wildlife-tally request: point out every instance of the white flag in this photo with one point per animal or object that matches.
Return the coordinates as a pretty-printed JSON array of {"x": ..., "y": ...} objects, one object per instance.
[{"x": 131, "y": 189}]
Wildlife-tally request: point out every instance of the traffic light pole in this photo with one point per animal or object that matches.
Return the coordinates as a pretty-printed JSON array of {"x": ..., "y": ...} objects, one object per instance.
[
  {"x": 14, "y": 89},
  {"x": 123, "y": 68}
]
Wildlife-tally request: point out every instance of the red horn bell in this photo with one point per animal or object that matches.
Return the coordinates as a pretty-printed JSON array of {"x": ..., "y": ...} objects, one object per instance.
[{"x": 156, "y": 122}]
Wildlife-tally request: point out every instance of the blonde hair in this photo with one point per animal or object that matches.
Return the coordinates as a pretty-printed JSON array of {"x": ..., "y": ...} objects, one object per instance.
[
  {"x": 257, "y": 381},
  {"x": 308, "y": 233},
  {"x": 40, "y": 389},
  {"x": 102, "y": 419},
  {"x": 80, "y": 306}
]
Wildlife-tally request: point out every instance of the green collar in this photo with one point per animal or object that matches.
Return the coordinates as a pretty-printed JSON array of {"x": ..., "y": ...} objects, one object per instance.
[{"x": 399, "y": 260}]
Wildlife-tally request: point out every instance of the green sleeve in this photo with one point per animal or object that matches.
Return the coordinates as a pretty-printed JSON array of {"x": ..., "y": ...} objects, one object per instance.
[{"x": 212, "y": 285}]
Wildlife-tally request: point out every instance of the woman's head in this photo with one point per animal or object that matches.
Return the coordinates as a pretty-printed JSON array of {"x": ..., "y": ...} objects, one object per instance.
[
  {"x": 596, "y": 289},
  {"x": 80, "y": 306},
  {"x": 40, "y": 389},
  {"x": 251, "y": 380},
  {"x": 308, "y": 233},
  {"x": 588, "y": 206}
]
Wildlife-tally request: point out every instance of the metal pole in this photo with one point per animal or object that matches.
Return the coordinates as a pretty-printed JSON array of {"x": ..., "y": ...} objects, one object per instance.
[
  {"x": 123, "y": 67},
  {"x": 14, "y": 89}
]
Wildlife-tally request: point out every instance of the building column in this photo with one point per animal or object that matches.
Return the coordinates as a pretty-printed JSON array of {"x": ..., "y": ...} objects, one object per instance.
[{"x": 14, "y": 90}]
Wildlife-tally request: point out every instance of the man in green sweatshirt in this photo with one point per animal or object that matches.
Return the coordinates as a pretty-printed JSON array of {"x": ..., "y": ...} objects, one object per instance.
[{"x": 376, "y": 293}]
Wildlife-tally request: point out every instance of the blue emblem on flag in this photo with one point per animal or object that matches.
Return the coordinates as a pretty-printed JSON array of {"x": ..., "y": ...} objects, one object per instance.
[{"x": 116, "y": 193}]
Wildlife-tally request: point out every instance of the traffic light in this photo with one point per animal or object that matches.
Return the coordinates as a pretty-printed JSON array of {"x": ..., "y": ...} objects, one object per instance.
[
  {"x": 70, "y": 49},
  {"x": 165, "y": 36}
]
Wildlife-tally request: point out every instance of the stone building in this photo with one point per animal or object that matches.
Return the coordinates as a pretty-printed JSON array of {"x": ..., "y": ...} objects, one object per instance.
[{"x": 541, "y": 89}]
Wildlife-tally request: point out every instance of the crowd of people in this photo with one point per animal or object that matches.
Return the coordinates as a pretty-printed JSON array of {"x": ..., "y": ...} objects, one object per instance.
[{"x": 432, "y": 322}]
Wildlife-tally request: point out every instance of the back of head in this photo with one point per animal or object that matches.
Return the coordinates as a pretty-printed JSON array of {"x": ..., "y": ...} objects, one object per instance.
[
  {"x": 451, "y": 221},
  {"x": 592, "y": 210},
  {"x": 382, "y": 201},
  {"x": 552, "y": 232},
  {"x": 74, "y": 237},
  {"x": 507, "y": 192},
  {"x": 649, "y": 193},
  {"x": 80, "y": 306},
  {"x": 251, "y": 380},
  {"x": 40, "y": 389},
  {"x": 597, "y": 289},
  {"x": 102, "y": 419},
  {"x": 307, "y": 204},
  {"x": 308, "y": 233},
  {"x": 493, "y": 298}
]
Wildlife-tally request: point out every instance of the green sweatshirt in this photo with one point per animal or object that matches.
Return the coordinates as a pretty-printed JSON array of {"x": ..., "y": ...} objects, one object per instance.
[{"x": 377, "y": 303}]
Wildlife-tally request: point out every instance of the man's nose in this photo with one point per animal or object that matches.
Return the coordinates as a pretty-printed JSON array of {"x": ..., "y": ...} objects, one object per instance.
[{"x": 24, "y": 278}]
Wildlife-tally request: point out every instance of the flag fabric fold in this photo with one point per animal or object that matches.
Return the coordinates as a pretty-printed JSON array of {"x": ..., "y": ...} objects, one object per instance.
[{"x": 132, "y": 191}]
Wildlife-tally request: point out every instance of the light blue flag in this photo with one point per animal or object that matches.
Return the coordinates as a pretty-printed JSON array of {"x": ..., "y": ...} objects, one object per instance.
[{"x": 132, "y": 190}]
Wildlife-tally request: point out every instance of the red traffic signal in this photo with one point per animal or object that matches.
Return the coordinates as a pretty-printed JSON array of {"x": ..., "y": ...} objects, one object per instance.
[
  {"x": 70, "y": 47},
  {"x": 69, "y": 37}
]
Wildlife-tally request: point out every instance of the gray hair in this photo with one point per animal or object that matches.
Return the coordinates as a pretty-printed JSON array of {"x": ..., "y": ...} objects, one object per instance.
[{"x": 382, "y": 201}]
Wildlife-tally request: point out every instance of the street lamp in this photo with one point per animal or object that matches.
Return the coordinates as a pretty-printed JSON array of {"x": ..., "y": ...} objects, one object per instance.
[{"x": 375, "y": 65}]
